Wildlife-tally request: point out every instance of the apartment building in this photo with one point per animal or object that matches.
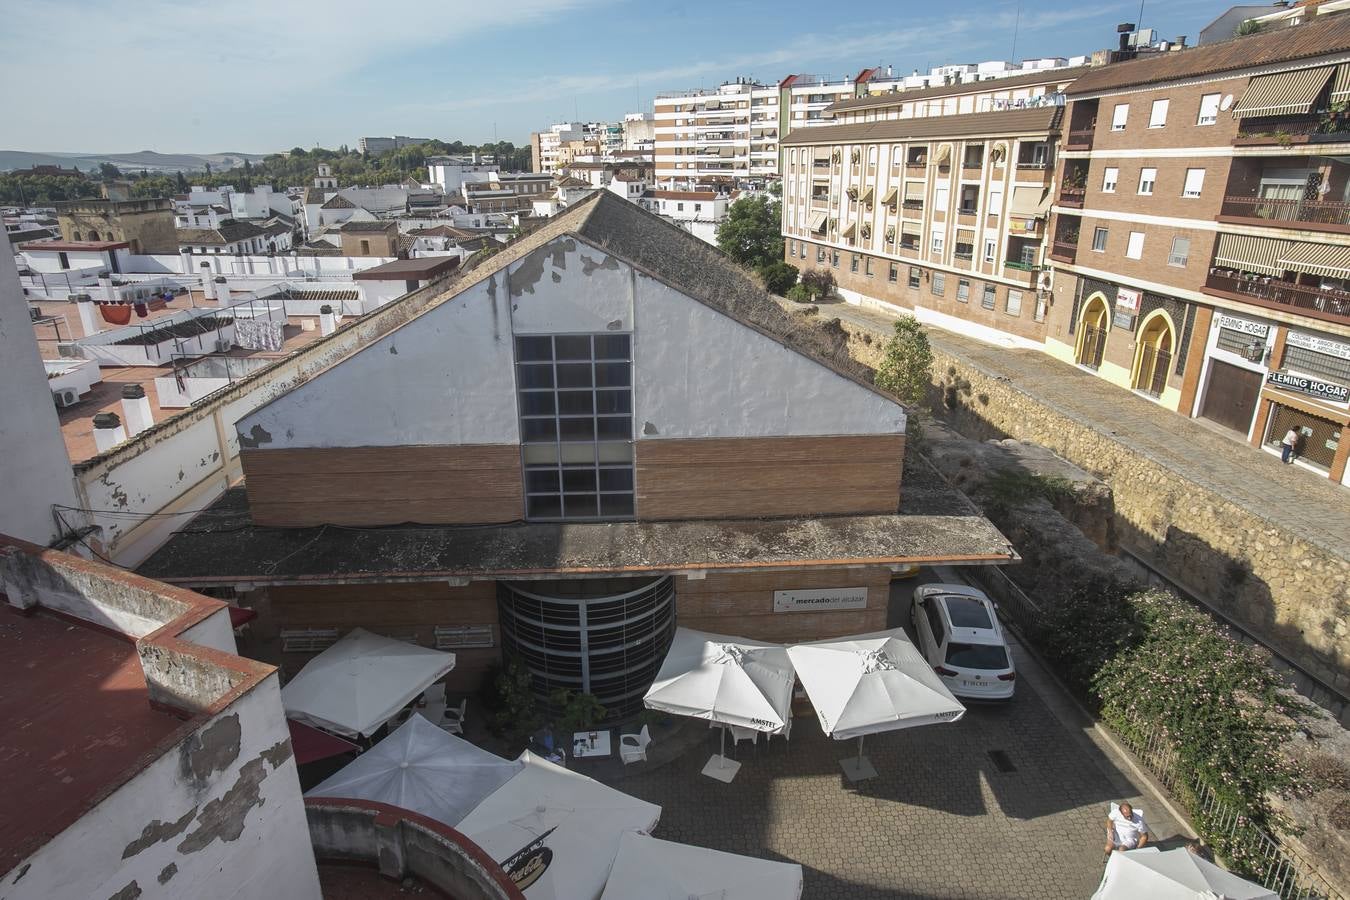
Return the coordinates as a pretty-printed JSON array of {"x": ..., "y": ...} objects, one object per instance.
[
  {"x": 1036, "y": 88},
  {"x": 602, "y": 430},
  {"x": 555, "y": 148},
  {"x": 1202, "y": 234},
  {"x": 942, "y": 216}
]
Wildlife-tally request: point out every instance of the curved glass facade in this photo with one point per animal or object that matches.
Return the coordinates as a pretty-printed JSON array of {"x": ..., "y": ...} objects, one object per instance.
[{"x": 604, "y": 636}]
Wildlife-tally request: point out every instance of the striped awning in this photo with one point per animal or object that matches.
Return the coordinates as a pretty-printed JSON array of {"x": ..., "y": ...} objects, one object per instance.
[
  {"x": 1340, "y": 85},
  {"x": 1282, "y": 94},
  {"x": 890, "y": 196},
  {"x": 817, "y": 222},
  {"x": 914, "y": 190},
  {"x": 1328, "y": 260},
  {"x": 911, "y": 230},
  {"x": 1250, "y": 254},
  {"x": 1029, "y": 201}
]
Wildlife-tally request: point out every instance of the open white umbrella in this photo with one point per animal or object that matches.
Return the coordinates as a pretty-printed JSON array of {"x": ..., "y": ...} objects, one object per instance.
[
  {"x": 724, "y": 679},
  {"x": 422, "y": 768},
  {"x": 868, "y": 684},
  {"x": 356, "y": 685},
  {"x": 1173, "y": 875},
  {"x": 556, "y": 832},
  {"x": 651, "y": 869}
]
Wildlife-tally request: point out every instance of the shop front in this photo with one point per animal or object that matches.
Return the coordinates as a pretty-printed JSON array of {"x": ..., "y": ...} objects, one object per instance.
[
  {"x": 1236, "y": 352},
  {"x": 1309, "y": 393}
]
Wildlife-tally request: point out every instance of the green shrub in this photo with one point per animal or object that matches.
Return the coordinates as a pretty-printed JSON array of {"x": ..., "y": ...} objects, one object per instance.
[
  {"x": 778, "y": 277},
  {"x": 820, "y": 282},
  {"x": 799, "y": 293},
  {"x": 576, "y": 711},
  {"x": 517, "y": 714}
]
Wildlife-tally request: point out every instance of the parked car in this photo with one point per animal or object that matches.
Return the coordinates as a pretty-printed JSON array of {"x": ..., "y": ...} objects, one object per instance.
[{"x": 960, "y": 636}]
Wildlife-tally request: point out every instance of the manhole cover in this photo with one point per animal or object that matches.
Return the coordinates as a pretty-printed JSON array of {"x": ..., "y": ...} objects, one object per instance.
[{"x": 1001, "y": 761}]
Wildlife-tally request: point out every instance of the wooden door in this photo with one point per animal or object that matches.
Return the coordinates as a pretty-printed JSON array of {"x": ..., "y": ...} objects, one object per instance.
[{"x": 1230, "y": 396}]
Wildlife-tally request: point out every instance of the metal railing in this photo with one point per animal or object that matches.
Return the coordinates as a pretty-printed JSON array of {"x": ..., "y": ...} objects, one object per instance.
[
  {"x": 1275, "y": 292},
  {"x": 1268, "y": 861},
  {"x": 1080, "y": 140},
  {"x": 1318, "y": 212},
  {"x": 1065, "y": 249},
  {"x": 1072, "y": 196}
]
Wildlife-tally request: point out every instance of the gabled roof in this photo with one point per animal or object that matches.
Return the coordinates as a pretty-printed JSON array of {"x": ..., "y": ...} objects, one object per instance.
[
  {"x": 337, "y": 201},
  {"x": 227, "y": 233},
  {"x": 1014, "y": 122},
  {"x": 316, "y": 195},
  {"x": 1322, "y": 36},
  {"x": 377, "y": 227}
]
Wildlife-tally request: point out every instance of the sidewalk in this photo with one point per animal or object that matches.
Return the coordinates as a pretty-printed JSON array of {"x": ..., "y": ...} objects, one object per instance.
[{"x": 1295, "y": 500}]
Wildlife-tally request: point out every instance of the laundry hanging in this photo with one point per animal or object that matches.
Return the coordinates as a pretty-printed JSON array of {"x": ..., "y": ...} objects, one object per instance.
[{"x": 115, "y": 313}]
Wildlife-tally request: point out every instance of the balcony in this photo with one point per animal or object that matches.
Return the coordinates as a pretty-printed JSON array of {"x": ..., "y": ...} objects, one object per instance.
[
  {"x": 1065, "y": 250},
  {"x": 917, "y": 164},
  {"x": 1072, "y": 196},
  {"x": 1319, "y": 303},
  {"x": 1319, "y": 214},
  {"x": 1079, "y": 140},
  {"x": 1287, "y": 134}
]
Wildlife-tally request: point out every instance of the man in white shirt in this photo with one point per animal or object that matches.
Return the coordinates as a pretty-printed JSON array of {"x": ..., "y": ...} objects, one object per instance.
[
  {"x": 1125, "y": 829},
  {"x": 1289, "y": 446}
]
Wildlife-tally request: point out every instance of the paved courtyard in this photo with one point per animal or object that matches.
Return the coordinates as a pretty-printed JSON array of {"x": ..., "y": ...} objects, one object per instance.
[{"x": 945, "y": 818}]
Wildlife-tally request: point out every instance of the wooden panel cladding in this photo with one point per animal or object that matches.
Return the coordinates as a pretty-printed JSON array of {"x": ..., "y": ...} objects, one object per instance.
[
  {"x": 721, "y": 478},
  {"x": 742, "y": 604},
  {"x": 434, "y": 485}
]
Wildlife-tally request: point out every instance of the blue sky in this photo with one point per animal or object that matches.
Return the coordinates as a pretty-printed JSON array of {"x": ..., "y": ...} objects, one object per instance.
[{"x": 263, "y": 75}]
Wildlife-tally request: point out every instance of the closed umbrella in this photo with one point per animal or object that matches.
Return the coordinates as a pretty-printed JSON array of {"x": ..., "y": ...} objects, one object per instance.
[
  {"x": 731, "y": 680},
  {"x": 1173, "y": 875},
  {"x": 651, "y": 869},
  {"x": 868, "y": 684}
]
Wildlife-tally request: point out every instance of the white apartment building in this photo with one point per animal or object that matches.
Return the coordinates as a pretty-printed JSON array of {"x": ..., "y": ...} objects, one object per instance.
[
  {"x": 885, "y": 100},
  {"x": 639, "y": 132},
  {"x": 451, "y": 173}
]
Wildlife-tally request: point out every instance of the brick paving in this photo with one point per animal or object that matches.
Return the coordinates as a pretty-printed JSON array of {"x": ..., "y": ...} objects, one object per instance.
[{"x": 1298, "y": 501}]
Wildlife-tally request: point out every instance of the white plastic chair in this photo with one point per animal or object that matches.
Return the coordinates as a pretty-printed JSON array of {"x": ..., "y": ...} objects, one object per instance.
[
  {"x": 453, "y": 721},
  {"x": 434, "y": 694},
  {"x": 739, "y": 734},
  {"x": 785, "y": 734},
  {"x": 633, "y": 747}
]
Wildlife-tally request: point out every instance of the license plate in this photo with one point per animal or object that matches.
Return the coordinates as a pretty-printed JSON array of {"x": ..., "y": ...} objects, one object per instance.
[{"x": 974, "y": 684}]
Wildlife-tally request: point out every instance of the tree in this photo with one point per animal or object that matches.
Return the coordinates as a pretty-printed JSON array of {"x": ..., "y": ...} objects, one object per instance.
[
  {"x": 248, "y": 167},
  {"x": 800, "y": 293},
  {"x": 107, "y": 171},
  {"x": 820, "y": 282},
  {"x": 779, "y": 277},
  {"x": 907, "y": 362},
  {"x": 180, "y": 182},
  {"x": 751, "y": 233}
]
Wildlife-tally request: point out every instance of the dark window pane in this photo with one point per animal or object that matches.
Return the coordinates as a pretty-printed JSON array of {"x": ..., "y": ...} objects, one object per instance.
[
  {"x": 579, "y": 505},
  {"x": 616, "y": 504},
  {"x": 541, "y": 481},
  {"x": 536, "y": 430},
  {"x": 612, "y": 374},
  {"x": 536, "y": 376},
  {"x": 545, "y": 507},
  {"x": 536, "y": 404},
  {"x": 534, "y": 348},
  {"x": 613, "y": 401},
  {"x": 574, "y": 403},
  {"x": 611, "y": 346},
  {"x": 574, "y": 375},
  {"x": 577, "y": 429},
  {"x": 614, "y": 428},
  {"x": 616, "y": 479},
  {"x": 577, "y": 480},
  {"x": 573, "y": 346}
]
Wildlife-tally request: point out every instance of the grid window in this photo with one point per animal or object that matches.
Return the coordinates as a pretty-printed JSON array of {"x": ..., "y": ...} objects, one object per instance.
[
  {"x": 1013, "y": 304},
  {"x": 834, "y": 258},
  {"x": 1099, "y": 240},
  {"x": 963, "y": 290},
  {"x": 1135, "y": 248},
  {"x": 939, "y": 284},
  {"x": 1310, "y": 362},
  {"x": 990, "y": 298},
  {"x": 1237, "y": 342},
  {"x": 1181, "y": 252},
  {"x": 1147, "y": 176},
  {"x": 915, "y": 275},
  {"x": 576, "y": 424}
]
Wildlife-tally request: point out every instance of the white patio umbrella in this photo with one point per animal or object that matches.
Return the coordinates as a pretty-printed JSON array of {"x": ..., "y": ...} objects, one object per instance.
[
  {"x": 871, "y": 683},
  {"x": 356, "y": 685},
  {"x": 651, "y": 869},
  {"x": 732, "y": 680},
  {"x": 422, "y": 768},
  {"x": 1173, "y": 875},
  {"x": 556, "y": 832}
]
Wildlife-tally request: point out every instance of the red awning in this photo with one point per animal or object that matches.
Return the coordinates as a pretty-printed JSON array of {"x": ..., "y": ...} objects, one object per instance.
[
  {"x": 310, "y": 744},
  {"x": 239, "y": 616}
]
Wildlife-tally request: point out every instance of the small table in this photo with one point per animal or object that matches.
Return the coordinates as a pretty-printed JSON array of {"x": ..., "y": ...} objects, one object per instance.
[{"x": 581, "y": 744}]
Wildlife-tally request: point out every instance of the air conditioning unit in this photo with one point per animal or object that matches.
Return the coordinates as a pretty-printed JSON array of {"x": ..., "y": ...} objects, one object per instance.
[
  {"x": 1045, "y": 280},
  {"x": 223, "y": 346},
  {"x": 65, "y": 397}
]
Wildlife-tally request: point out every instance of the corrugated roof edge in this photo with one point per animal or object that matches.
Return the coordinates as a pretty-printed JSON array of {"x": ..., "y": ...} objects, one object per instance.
[{"x": 1009, "y": 122}]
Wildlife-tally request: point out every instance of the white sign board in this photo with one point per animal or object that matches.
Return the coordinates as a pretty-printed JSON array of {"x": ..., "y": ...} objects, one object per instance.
[
  {"x": 820, "y": 598},
  {"x": 1319, "y": 344},
  {"x": 1127, "y": 299},
  {"x": 1244, "y": 326}
]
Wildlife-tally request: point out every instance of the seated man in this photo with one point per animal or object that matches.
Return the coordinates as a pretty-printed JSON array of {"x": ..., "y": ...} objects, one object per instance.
[{"x": 1125, "y": 828}]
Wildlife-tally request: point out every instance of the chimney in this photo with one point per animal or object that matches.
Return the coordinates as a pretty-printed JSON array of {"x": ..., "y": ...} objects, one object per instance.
[
  {"x": 136, "y": 407},
  {"x": 185, "y": 264},
  {"x": 208, "y": 285},
  {"x": 222, "y": 290},
  {"x": 327, "y": 321},
  {"x": 89, "y": 317},
  {"x": 108, "y": 431}
]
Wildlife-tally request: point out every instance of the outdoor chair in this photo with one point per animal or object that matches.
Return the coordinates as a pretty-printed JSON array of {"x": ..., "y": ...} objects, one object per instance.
[
  {"x": 434, "y": 694},
  {"x": 633, "y": 747},
  {"x": 739, "y": 734},
  {"x": 453, "y": 720},
  {"x": 785, "y": 734}
]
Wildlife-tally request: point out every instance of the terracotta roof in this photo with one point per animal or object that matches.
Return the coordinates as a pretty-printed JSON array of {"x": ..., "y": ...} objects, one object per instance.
[
  {"x": 316, "y": 195},
  {"x": 1038, "y": 120},
  {"x": 443, "y": 231},
  {"x": 368, "y": 227},
  {"x": 421, "y": 269},
  {"x": 227, "y": 233},
  {"x": 1042, "y": 76},
  {"x": 75, "y": 245},
  {"x": 1324, "y": 35},
  {"x": 337, "y": 201}
]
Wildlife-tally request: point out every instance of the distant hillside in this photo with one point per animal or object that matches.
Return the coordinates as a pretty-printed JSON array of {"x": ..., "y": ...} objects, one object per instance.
[{"x": 133, "y": 162}]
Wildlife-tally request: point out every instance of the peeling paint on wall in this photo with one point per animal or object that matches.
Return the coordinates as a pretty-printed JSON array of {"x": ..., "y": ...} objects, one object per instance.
[
  {"x": 278, "y": 753},
  {"x": 158, "y": 830},
  {"x": 168, "y": 872},
  {"x": 212, "y": 749},
  {"x": 224, "y": 817},
  {"x": 130, "y": 892},
  {"x": 258, "y": 435}
]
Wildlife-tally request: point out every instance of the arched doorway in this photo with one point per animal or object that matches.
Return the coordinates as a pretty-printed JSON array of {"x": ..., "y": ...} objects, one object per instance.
[
  {"x": 1093, "y": 324},
  {"x": 75, "y": 236},
  {"x": 1153, "y": 354},
  {"x": 93, "y": 235}
]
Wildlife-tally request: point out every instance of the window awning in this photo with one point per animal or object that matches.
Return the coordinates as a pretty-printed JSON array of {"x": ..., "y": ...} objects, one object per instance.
[
  {"x": 1340, "y": 87},
  {"x": 1282, "y": 94},
  {"x": 890, "y": 196},
  {"x": 910, "y": 231},
  {"x": 1250, "y": 254},
  {"x": 726, "y": 152},
  {"x": 847, "y": 230},
  {"x": 944, "y": 152},
  {"x": 1029, "y": 201},
  {"x": 1329, "y": 260},
  {"x": 914, "y": 190},
  {"x": 817, "y": 222},
  {"x": 866, "y": 196}
]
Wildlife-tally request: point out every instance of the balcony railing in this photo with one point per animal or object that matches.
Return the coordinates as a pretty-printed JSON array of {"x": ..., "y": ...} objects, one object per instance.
[
  {"x": 1307, "y": 131},
  {"x": 1079, "y": 140},
  {"x": 1064, "y": 250},
  {"x": 1024, "y": 266},
  {"x": 919, "y": 163},
  {"x": 1325, "y": 303},
  {"x": 1031, "y": 164},
  {"x": 1317, "y": 212},
  {"x": 1072, "y": 196},
  {"x": 912, "y": 204},
  {"x": 965, "y": 210}
]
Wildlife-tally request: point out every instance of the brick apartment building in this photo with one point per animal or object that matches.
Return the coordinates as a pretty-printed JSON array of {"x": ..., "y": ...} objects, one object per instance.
[
  {"x": 602, "y": 430},
  {"x": 1202, "y": 234}
]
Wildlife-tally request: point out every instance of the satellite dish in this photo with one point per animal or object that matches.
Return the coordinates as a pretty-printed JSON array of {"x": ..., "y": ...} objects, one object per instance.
[{"x": 1226, "y": 102}]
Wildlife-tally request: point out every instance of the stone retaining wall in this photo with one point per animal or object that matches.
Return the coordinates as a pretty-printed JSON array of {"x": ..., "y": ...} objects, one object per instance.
[{"x": 1293, "y": 594}]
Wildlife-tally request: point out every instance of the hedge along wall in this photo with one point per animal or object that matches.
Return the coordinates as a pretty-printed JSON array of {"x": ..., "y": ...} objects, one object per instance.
[{"x": 1290, "y": 592}]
